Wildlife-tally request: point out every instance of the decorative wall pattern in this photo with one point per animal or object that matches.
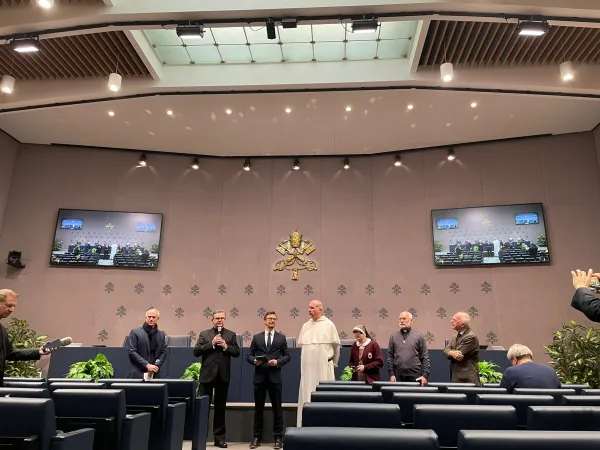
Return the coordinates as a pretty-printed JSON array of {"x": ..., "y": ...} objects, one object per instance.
[{"x": 371, "y": 225}]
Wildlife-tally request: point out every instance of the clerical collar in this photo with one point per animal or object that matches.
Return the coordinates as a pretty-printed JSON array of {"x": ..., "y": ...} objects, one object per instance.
[{"x": 405, "y": 330}]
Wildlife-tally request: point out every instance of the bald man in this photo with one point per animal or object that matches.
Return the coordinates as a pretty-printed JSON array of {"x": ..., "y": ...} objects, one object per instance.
[
  {"x": 147, "y": 347},
  {"x": 463, "y": 351},
  {"x": 320, "y": 344}
]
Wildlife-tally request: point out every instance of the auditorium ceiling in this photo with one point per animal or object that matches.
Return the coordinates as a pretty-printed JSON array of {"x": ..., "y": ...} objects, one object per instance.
[{"x": 299, "y": 77}]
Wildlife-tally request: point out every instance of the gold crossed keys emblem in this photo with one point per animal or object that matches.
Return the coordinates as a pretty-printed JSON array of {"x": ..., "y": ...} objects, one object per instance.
[{"x": 295, "y": 249}]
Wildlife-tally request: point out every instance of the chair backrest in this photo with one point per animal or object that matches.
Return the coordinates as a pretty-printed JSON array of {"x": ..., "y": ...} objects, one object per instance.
[
  {"x": 291, "y": 342},
  {"x": 578, "y": 387},
  {"x": 110, "y": 381},
  {"x": 70, "y": 380},
  {"x": 317, "y": 438},
  {"x": 472, "y": 392},
  {"x": 556, "y": 393},
  {"x": 126, "y": 341},
  {"x": 448, "y": 420},
  {"x": 581, "y": 400},
  {"x": 564, "y": 418},
  {"x": 388, "y": 391},
  {"x": 26, "y": 384},
  {"x": 24, "y": 417},
  {"x": 377, "y": 385},
  {"x": 340, "y": 383},
  {"x": 180, "y": 390},
  {"x": 444, "y": 386},
  {"x": 365, "y": 415},
  {"x": 346, "y": 397},
  {"x": 407, "y": 401},
  {"x": 24, "y": 392},
  {"x": 530, "y": 440},
  {"x": 66, "y": 385},
  {"x": 184, "y": 340},
  {"x": 491, "y": 385},
  {"x": 29, "y": 380},
  {"x": 590, "y": 392},
  {"x": 344, "y": 387},
  {"x": 521, "y": 403}
]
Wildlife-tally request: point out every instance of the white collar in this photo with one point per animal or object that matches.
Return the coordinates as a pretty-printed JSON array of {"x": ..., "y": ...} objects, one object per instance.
[{"x": 364, "y": 344}]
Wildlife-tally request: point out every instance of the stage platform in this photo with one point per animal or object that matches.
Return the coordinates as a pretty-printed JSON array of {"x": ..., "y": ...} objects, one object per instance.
[{"x": 241, "y": 388}]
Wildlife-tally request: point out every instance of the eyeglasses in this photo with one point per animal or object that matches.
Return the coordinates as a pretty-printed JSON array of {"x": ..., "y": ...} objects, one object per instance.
[
  {"x": 219, "y": 318},
  {"x": 272, "y": 318}
]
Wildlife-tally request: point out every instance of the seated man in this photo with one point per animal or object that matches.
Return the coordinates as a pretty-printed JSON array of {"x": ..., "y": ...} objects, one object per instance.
[{"x": 525, "y": 373}]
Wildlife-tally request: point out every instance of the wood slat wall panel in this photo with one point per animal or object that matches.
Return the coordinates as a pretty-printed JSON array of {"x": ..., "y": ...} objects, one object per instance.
[
  {"x": 82, "y": 56},
  {"x": 499, "y": 44}
]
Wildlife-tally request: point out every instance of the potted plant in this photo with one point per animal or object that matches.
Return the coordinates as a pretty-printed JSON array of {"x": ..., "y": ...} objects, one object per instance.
[
  {"x": 192, "y": 372},
  {"x": 346, "y": 374},
  {"x": 96, "y": 368},
  {"x": 487, "y": 372},
  {"x": 437, "y": 246},
  {"x": 57, "y": 246},
  {"x": 542, "y": 241},
  {"x": 154, "y": 248},
  {"x": 575, "y": 354},
  {"x": 22, "y": 336}
]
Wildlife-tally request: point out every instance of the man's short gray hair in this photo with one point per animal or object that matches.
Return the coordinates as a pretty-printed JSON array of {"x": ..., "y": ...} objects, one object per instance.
[
  {"x": 464, "y": 317},
  {"x": 519, "y": 351},
  {"x": 218, "y": 311},
  {"x": 6, "y": 293}
]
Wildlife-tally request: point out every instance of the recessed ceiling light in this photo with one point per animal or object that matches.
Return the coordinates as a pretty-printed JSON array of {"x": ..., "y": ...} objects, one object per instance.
[
  {"x": 397, "y": 161},
  {"x": 195, "y": 164},
  {"x": 412, "y": 125},
  {"x": 46, "y": 4},
  {"x": 228, "y": 111},
  {"x": 409, "y": 107},
  {"x": 111, "y": 113},
  {"x": 288, "y": 110},
  {"x": 448, "y": 124},
  {"x": 348, "y": 108},
  {"x": 476, "y": 118},
  {"x": 473, "y": 104},
  {"x": 169, "y": 112}
]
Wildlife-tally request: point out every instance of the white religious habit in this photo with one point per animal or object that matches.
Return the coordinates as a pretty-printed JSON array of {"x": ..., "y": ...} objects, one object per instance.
[{"x": 320, "y": 344}]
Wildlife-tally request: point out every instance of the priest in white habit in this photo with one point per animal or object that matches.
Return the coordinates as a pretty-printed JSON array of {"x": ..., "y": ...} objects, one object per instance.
[{"x": 320, "y": 344}]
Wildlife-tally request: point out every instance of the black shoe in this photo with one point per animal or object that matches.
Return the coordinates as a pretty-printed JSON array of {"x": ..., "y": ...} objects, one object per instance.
[
  {"x": 221, "y": 444},
  {"x": 255, "y": 443},
  {"x": 278, "y": 443}
]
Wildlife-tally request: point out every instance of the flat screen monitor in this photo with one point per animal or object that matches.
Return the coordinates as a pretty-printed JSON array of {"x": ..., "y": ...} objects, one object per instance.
[
  {"x": 490, "y": 235},
  {"x": 106, "y": 239}
]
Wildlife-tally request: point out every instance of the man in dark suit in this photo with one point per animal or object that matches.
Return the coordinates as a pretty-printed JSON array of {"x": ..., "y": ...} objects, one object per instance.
[
  {"x": 217, "y": 346},
  {"x": 463, "y": 351},
  {"x": 267, "y": 377},
  {"x": 8, "y": 303},
  {"x": 585, "y": 299},
  {"x": 147, "y": 346}
]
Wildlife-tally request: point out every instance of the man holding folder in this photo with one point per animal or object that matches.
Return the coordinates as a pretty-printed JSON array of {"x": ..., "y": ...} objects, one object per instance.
[{"x": 268, "y": 353}]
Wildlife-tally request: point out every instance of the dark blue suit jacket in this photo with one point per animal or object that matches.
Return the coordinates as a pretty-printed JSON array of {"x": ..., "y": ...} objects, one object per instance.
[
  {"x": 138, "y": 345},
  {"x": 278, "y": 351}
]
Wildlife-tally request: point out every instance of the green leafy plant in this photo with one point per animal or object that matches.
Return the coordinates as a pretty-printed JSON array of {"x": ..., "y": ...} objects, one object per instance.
[
  {"x": 192, "y": 372},
  {"x": 575, "y": 354},
  {"x": 154, "y": 248},
  {"x": 487, "y": 372},
  {"x": 96, "y": 368},
  {"x": 23, "y": 337},
  {"x": 346, "y": 374},
  {"x": 542, "y": 241},
  {"x": 437, "y": 246},
  {"x": 57, "y": 246}
]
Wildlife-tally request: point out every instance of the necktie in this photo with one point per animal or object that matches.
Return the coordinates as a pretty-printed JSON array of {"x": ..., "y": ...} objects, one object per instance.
[{"x": 269, "y": 342}]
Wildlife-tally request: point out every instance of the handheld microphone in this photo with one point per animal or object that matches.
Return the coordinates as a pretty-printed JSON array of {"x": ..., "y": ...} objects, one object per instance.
[
  {"x": 219, "y": 330},
  {"x": 51, "y": 346}
]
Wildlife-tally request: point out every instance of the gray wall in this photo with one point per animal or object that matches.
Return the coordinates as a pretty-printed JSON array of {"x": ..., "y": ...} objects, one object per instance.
[
  {"x": 123, "y": 231},
  {"x": 371, "y": 226},
  {"x": 488, "y": 224},
  {"x": 8, "y": 156}
]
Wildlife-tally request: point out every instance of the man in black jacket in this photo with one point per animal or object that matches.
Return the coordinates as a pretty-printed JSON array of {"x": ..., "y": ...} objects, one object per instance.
[
  {"x": 8, "y": 303},
  {"x": 268, "y": 353},
  {"x": 147, "y": 346},
  {"x": 217, "y": 346},
  {"x": 585, "y": 299}
]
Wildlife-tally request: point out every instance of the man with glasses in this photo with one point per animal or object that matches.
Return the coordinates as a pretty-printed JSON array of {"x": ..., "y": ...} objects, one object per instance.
[
  {"x": 268, "y": 353},
  {"x": 408, "y": 357},
  {"x": 217, "y": 346}
]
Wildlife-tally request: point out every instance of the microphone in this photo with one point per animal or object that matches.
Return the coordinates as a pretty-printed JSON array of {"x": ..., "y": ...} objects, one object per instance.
[
  {"x": 51, "y": 346},
  {"x": 219, "y": 330}
]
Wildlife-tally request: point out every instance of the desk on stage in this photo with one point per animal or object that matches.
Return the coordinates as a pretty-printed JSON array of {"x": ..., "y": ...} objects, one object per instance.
[{"x": 242, "y": 372}]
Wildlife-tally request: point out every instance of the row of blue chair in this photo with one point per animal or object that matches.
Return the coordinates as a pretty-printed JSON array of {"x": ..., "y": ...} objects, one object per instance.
[{"x": 394, "y": 439}]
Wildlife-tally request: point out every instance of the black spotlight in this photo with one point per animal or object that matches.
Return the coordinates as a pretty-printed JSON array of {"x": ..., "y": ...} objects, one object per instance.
[
  {"x": 142, "y": 162},
  {"x": 296, "y": 164},
  {"x": 195, "y": 164},
  {"x": 271, "y": 34},
  {"x": 14, "y": 259},
  {"x": 346, "y": 163},
  {"x": 246, "y": 165}
]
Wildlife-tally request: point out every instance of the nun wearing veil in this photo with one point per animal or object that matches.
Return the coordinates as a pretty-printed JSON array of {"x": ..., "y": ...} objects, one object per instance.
[{"x": 365, "y": 356}]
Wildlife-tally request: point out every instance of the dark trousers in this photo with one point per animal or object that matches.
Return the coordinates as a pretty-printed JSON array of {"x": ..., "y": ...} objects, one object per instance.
[
  {"x": 220, "y": 388},
  {"x": 404, "y": 378},
  {"x": 260, "y": 394}
]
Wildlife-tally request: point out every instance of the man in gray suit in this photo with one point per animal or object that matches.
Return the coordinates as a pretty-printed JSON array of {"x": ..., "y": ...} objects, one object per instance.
[{"x": 463, "y": 351}]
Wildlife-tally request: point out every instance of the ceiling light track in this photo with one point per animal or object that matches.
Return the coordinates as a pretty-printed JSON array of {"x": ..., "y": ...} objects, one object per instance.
[{"x": 289, "y": 22}]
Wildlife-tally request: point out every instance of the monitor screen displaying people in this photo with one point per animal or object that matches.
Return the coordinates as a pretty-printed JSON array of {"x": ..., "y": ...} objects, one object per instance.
[
  {"x": 510, "y": 234},
  {"x": 91, "y": 238}
]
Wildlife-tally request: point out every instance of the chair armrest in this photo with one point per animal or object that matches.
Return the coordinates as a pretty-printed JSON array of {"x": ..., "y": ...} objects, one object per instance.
[
  {"x": 82, "y": 439},
  {"x": 136, "y": 431},
  {"x": 173, "y": 437},
  {"x": 200, "y": 431}
]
